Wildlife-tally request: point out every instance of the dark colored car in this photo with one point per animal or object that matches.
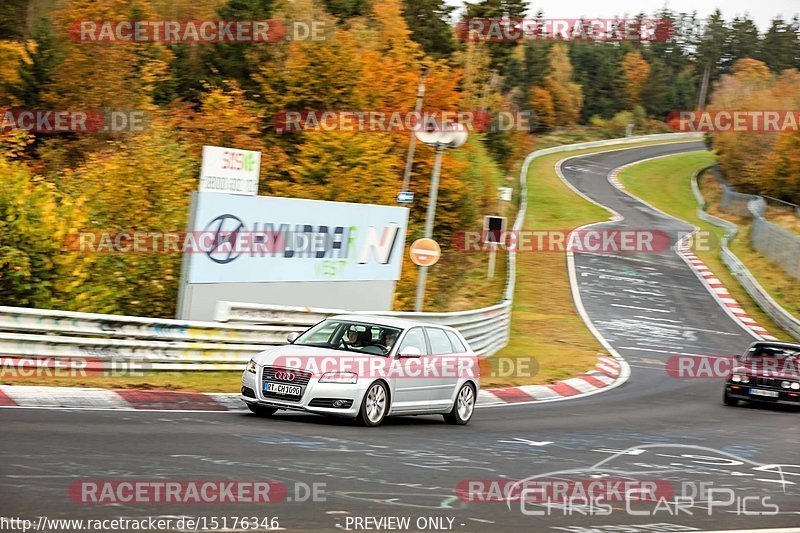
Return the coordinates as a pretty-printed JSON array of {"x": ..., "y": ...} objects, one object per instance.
[{"x": 767, "y": 372}]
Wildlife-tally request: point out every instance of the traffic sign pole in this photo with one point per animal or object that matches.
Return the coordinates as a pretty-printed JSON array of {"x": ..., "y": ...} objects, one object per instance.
[
  {"x": 492, "y": 259},
  {"x": 429, "y": 218}
]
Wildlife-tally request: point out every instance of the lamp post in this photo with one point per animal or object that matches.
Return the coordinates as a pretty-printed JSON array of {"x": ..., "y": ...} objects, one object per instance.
[
  {"x": 412, "y": 141},
  {"x": 444, "y": 137}
]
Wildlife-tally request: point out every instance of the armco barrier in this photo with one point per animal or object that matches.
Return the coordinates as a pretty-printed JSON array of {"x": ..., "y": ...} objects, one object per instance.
[
  {"x": 781, "y": 317},
  {"x": 243, "y": 329},
  {"x": 485, "y": 329},
  {"x": 775, "y": 242}
]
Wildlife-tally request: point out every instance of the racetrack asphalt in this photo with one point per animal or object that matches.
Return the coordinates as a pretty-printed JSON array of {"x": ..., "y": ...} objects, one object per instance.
[{"x": 648, "y": 306}]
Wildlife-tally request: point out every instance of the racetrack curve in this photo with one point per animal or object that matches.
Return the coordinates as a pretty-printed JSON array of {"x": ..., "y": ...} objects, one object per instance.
[{"x": 647, "y": 306}]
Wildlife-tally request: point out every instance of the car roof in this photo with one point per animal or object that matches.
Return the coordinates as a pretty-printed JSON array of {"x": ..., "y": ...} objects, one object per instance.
[{"x": 390, "y": 321}]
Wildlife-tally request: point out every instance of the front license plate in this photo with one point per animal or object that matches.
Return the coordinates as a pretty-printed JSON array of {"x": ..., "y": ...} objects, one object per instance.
[
  {"x": 765, "y": 393},
  {"x": 282, "y": 388}
]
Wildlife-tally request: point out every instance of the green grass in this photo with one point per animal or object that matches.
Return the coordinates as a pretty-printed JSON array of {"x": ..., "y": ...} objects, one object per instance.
[{"x": 666, "y": 184}]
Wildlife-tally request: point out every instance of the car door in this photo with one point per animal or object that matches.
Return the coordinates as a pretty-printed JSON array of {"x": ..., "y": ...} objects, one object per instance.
[
  {"x": 413, "y": 389},
  {"x": 444, "y": 377}
]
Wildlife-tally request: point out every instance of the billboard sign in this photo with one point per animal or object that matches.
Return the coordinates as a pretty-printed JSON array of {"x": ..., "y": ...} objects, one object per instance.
[
  {"x": 268, "y": 239},
  {"x": 230, "y": 170}
]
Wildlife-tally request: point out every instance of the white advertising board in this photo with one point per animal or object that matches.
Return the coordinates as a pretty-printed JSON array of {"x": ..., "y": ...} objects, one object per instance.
[{"x": 240, "y": 239}]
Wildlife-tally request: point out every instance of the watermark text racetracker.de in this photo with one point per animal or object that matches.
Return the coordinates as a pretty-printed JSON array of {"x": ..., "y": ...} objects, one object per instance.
[
  {"x": 396, "y": 120},
  {"x": 349, "y": 367},
  {"x": 197, "y": 31},
  {"x": 72, "y": 120},
  {"x": 541, "y": 29},
  {"x": 70, "y": 367},
  {"x": 580, "y": 240},
  {"x": 715, "y": 367},
  {"x": 735, "y": 121}
]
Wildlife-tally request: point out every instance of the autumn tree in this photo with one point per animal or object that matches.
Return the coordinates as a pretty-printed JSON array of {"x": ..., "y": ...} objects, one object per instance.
[
  {"x": 636, "y": 71},
  {"x": 543, "y": 109},
  {"x": 567, "y": 95},
  {"x": 35, "y": 220}
]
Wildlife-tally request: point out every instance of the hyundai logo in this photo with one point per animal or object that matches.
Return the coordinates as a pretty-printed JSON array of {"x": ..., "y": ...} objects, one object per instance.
[
  {"x": 226, "y": 230},
  {"x": 285, "y": 375}
]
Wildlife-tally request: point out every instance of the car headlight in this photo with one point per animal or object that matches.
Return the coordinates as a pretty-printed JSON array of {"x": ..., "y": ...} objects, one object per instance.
[
  {"x": 796, "y": 385},
  {"x": 339, "y": 377},
  {"x": 785, "y": 384},
  {"x": 736, "y": 378},
  {"x": 745, "y": 379},
  {"x": 251, "y": 367}
]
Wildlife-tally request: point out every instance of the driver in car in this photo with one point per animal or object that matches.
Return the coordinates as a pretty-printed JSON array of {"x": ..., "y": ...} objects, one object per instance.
[{"x": 355, "y": 338}]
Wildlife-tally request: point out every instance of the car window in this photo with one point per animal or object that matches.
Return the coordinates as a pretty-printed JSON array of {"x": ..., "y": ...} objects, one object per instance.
[
  {"x": 414, "y": 338},
  {"x": 346, "y": 336},
  {"x": 458, "y": 346},
  {"x": 322, "y": 333},
  {"x": 440, "y": 344}
]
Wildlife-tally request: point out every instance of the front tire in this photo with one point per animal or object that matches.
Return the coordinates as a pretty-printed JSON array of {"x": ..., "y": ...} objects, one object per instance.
[
  {"x": 727, "y": 400},
  {"x": 260, "y": 410},
  {"x": 464, "y": 406},
  {"x": 374, "y": 406}
]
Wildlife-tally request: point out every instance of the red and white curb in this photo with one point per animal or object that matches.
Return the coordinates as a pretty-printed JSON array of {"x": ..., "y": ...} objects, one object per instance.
[
  {"x": 121, "y": 399},
  {"x": 707, "y": 277},
  {"x": 605, "y": 374},
  {"x": 718, "y": 289}
]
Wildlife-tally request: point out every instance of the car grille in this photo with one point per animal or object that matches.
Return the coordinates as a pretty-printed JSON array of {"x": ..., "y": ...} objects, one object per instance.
[
  {"x": 302, "y": 378},
  {"x": 765, "y": 382}
]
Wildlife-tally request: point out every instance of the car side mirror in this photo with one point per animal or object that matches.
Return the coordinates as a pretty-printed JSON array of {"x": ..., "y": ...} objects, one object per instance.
[
  {"x": 410, "y": 351},
  {"x": 291, "y": 337}
]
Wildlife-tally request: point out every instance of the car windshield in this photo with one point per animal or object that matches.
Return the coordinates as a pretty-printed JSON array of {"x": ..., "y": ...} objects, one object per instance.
[
  {"x": 350, "y": 336},
  {"x": 767, "y": 350}
]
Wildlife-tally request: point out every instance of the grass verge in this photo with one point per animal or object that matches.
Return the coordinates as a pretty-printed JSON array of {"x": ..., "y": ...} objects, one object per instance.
[{"x": 666, "y": 184}]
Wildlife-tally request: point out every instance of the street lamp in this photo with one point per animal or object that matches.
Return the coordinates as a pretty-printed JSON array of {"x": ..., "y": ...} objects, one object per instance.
[
  {"x": 445, "y": 136},
  {"x": 411, "y": 142}
]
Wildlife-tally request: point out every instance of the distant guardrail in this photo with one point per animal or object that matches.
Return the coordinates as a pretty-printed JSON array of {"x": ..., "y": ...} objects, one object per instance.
[
  {"x": 780, "y": 315},
  {"x": 242, "y": 330},
  {"x": 777, "y": 243}
]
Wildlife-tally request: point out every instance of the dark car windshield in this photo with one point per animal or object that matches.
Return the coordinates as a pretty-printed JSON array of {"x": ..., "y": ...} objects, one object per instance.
[
  {"x": 344, "y": 335},
  {"x": 767, "y": 350}
]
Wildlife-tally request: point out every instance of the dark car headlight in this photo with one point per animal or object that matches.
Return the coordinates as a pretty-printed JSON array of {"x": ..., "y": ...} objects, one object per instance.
[{"x": 252, "y": 367}]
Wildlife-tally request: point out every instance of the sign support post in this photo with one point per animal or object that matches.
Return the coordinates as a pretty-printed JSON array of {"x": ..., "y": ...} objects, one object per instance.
[{"x": 423, "y": 270}]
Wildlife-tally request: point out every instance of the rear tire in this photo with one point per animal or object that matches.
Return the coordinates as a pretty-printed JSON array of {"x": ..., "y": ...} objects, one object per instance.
[
  {"x": 374, "y": 406},
  {"x": 260, "y": 410},
  {"x": 463, "y": 407},
  {"x": 727, "y": 400}
]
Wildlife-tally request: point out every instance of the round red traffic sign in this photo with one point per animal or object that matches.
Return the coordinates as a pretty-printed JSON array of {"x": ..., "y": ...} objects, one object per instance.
[{"x": 425, "y": 252}]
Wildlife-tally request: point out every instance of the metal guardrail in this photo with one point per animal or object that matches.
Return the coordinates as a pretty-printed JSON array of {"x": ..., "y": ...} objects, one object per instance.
[
  {"x": 243, "y": 329},
  {"x": 775, "y": 242},
  {"x": 781, "y": 317},
  {"x": 485, "y": 329}
]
